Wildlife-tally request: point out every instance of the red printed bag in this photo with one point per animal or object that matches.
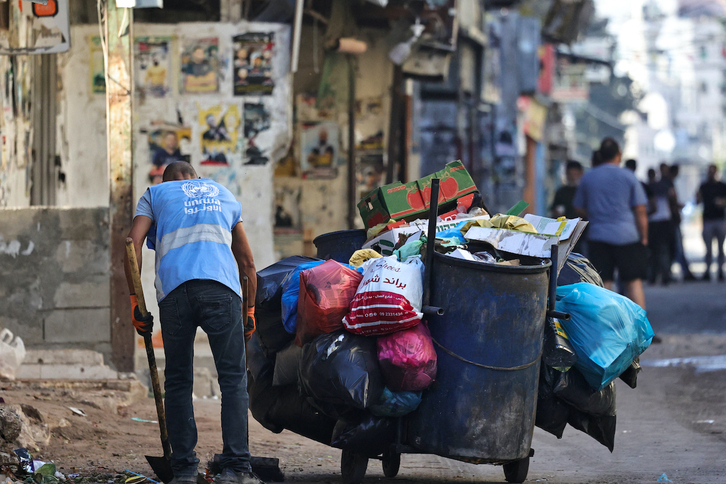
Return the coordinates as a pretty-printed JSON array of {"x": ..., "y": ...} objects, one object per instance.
[{"x": 388, "y": 298}]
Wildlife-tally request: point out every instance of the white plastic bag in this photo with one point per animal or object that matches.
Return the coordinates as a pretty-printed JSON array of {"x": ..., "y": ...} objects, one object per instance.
[
  {"x": 12, "y": 354},
  {"x": 388, "y": 298}
]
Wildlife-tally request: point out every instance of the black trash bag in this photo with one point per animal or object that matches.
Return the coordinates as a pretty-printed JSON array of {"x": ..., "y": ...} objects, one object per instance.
[
  {"x": 293, "y": 412},
  {"x": 578, "y": 268},
  {"x": 268, "y": 303},
  {"x": 601, "y": 429},
  {"x": 370, "y": 436},
  {"x": 287, "y": 362},
  {"x": 557, "y": 351},
  {"x": 262, "y": 396},
  {"x": 572, "y": 388},
  {"x": 630, "y": 375},
  {"x": 341, "y": 369},
  {"x": 552, "y": 414},
  {"x": 258, "y": 363}
]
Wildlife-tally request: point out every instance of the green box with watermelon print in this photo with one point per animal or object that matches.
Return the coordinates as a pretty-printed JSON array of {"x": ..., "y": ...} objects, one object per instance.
[
  {"x": 407, "y": 200},
  {"x": 395, "y": 201},
  {"x": 455, "y": 183}
]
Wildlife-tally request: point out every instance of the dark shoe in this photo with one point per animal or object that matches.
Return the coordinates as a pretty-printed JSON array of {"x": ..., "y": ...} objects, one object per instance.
[
  {"x": 706, "y": 276},
  {"x": 657, "y": 340},
  {"x": 689, "y": 276},
  {"x": 228, "y": 476},
  {"x": 720, "y": 277},
  {"x": 184, "y": 479}
]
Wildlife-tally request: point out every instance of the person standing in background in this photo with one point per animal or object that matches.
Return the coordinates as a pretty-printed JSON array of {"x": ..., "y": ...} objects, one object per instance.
[
  {"x": 615, "y": 204},
  {"x": 562, "y": 203},
  {"x": 660, "y": 228},
  {"x": 712, "y": 193},
  {"x": 679, "y": 256}
]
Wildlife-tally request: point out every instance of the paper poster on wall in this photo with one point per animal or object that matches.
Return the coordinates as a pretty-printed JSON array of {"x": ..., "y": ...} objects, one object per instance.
[
  {"x": 319, "y": 145},
  {"x": 256, "y": 120},
  {"x": 152, "y": 64},
  {"x": 167, "y": 144},
  {"x": 97, "y": 67},
  {"x": 287, "y": 207},
  {"x": 252, "y": 63},
  {"x": 200, "y": 66},
  {"x": 370, "y": 173},
  {"x": 220, "y": 138}
]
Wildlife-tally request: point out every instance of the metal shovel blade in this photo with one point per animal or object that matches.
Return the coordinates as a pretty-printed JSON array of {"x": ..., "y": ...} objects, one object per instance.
[{"x": 161, "y": 467}]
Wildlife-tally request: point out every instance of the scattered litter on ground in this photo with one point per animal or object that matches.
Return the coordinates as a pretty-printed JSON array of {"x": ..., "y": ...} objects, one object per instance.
[
  {"x": 77, "y": 411},
  {"x": 136, "y": 419},
  {"x": 663, "y": 478},
  {"x": 700, "y": 363}
]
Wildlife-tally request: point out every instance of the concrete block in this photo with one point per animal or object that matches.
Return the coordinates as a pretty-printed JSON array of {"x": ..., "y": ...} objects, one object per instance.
[
  {"x": 77, "y": 372},
  {"x": 77, "y": 326},
  {"x": 82, "y": 223},
  {"x": 64, "y": 357},
  {"x": 94, "y": 293},
  {"x": 86, "y": 256}
]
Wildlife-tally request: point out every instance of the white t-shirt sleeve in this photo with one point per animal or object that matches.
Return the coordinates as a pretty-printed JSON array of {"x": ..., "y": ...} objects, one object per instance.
[{"x": 144, "y": 206}]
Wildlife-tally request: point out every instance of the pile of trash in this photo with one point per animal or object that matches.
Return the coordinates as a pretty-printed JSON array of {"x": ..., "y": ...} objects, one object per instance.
[
  {"x": 583, "y": 356},
  {"x": 341, "y": 350}
]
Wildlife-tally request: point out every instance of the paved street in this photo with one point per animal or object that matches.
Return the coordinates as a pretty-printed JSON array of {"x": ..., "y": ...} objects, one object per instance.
[{"x": 674, "y": 423}]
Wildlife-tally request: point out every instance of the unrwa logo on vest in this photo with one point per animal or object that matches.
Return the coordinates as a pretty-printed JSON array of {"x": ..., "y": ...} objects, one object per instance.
[{"x": 197, "y": 189}]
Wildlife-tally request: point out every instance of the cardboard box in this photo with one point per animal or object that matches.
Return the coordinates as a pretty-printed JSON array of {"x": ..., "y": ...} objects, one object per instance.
[
  {"x": 455, "y": 183},
  {"x": 394, "y": 201},
  {"x": 564, "y": 235}
]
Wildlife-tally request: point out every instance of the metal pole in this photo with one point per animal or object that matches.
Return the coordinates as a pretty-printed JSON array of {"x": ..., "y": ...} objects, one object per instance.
[
  {"x": 431, "y": 241},
  {"x": 297, "y": 33},
  {"x": 118, "y": 33},
  {"x": 352, "y": 198}
]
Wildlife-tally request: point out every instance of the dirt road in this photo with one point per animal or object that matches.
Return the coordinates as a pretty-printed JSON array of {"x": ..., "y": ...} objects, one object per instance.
[{"x": 673, "y": 423}]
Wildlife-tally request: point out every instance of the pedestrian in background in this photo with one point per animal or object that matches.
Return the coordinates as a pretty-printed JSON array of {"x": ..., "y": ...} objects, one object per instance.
[
  {"x": 614, "y": 202},
  {"x": 679, "y": 255},
  {"x": 660, "y": 228},
  {"x": 712, "y": 193},
  {"x": 562, "y": 204}
]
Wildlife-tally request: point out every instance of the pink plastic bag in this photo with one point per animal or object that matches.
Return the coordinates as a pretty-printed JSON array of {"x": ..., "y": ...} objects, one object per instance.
[
  {"x": 325, "y": 294},
  {"x": 408, "y": 359}
]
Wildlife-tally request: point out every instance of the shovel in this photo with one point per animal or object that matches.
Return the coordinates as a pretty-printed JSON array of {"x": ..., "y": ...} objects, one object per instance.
[{"x": 160, "y": 465}]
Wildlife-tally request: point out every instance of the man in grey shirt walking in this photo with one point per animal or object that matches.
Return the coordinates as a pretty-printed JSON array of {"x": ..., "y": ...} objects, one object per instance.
[{"x": 614, "y": 202}]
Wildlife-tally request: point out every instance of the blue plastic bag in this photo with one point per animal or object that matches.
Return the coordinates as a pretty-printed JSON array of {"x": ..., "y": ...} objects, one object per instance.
[
  {"x": 290, "y": 294},
  {"x": 396, "y": 404},
  {"x": 607, "y": 331}
]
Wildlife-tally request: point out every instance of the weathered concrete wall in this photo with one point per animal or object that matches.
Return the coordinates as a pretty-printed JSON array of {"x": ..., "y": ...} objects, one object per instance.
[{"x": 54, "y": 277}]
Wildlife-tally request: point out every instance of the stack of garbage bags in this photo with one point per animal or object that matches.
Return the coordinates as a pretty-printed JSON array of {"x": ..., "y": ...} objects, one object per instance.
[
  {"x": 340, "y": 350},
  {"x": 583, "y": 356}
]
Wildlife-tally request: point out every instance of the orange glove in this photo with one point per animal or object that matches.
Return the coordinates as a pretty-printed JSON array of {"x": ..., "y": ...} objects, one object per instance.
[
  {"x": 251, "y": 325},
  {"x": 141, "y": 323}
]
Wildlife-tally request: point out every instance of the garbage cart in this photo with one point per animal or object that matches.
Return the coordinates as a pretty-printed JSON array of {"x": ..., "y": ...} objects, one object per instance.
[{"x": 481, "y": 409}]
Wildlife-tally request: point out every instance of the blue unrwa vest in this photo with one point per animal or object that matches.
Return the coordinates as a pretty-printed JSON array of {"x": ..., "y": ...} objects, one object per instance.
[{"x": 192, "y": 233}]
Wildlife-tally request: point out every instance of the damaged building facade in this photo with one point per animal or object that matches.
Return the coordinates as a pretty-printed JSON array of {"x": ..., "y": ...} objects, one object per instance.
[{"x": 298, "y": 111}]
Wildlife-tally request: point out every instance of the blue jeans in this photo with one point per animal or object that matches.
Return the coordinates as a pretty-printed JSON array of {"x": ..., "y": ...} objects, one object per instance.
[{"x": 218, "y": 311}]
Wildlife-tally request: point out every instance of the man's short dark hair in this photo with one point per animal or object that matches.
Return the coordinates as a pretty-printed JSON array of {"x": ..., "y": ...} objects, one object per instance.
[
  {"x": 674, "y": 169},
  {"x": 178, "y": 168},
  {"x": 596, "y": 158},
  {"x": 573, "y": 165},
  {"x": 631, "y": 164},
  {"x": 609, "y": 149}
]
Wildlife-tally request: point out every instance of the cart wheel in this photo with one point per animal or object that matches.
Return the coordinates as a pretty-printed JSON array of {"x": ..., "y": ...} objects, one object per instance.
[
  {"x": 391, "y": 463},
  {"x": 516, "y": 471},
  {"x": 353, "y": 467}
]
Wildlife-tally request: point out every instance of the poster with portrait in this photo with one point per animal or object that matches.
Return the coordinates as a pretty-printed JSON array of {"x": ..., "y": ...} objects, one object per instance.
[
  {"x": 152, "y": 66},
  {"x": 200, "y": 66},
  {"x": 220, "y": 140},
  {"x": 97, "y": 67},
  {"x": 252, "y": 63},
  {"x": 370, "y": 173},
  {"x": 167, "y": 144},
  {"x": 256, "y": 121},
  {"x": 320, "y": 147}
]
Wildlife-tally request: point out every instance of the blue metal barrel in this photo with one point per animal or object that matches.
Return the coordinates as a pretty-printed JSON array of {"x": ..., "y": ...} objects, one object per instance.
[
  {"x": 340, "y": 245},
  {"x": 481, "y": 408}
]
